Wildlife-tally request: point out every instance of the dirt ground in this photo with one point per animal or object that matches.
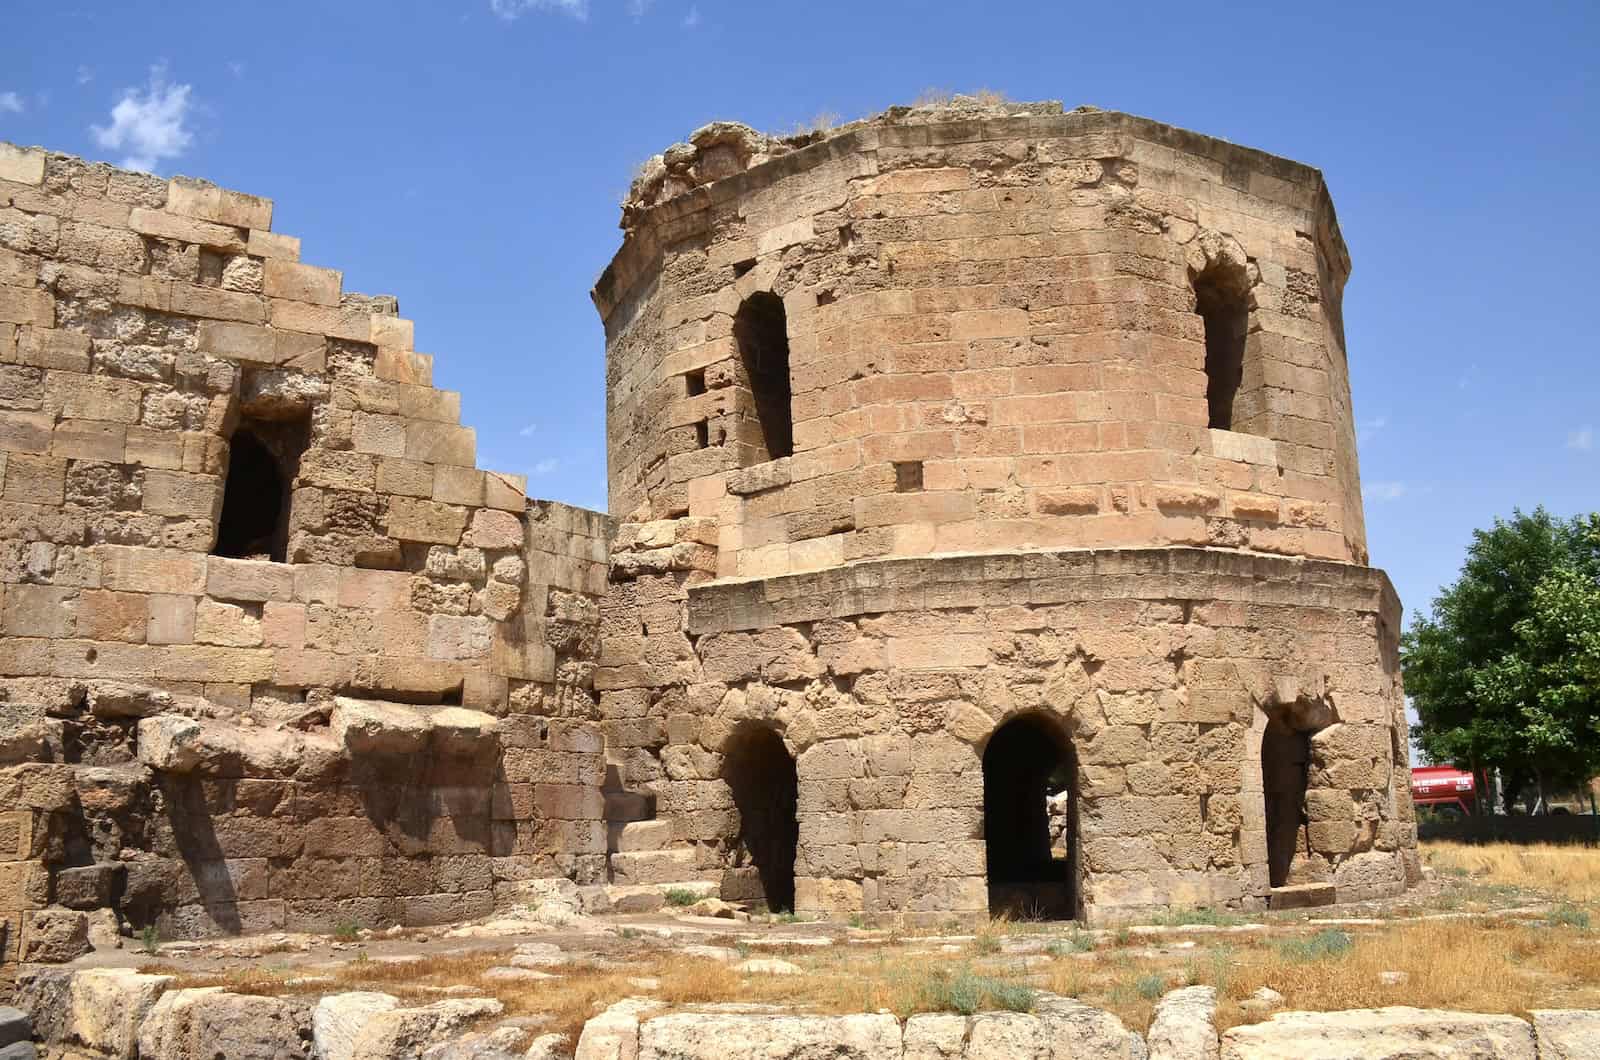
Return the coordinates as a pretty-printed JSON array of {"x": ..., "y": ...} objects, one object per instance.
[{"x": 1492, "y": 929}]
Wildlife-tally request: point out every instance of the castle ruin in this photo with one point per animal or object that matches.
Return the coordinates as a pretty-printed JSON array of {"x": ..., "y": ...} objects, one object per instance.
[{"x": 964, "y": 462}]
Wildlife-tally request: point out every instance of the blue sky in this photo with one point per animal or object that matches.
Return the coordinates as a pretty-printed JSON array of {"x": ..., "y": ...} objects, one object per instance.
[{"x": 469, "y": 157}]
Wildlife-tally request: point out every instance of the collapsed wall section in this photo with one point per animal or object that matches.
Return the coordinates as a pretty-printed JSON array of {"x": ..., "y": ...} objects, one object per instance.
[{"x": 274, "y": 651}]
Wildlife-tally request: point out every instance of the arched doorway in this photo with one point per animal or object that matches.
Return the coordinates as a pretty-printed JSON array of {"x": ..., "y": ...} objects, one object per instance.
[
  {"x": 1030, "y": 819},
  {"x": 1285, "y": 760},
  {"x": 766, "y": 792}
]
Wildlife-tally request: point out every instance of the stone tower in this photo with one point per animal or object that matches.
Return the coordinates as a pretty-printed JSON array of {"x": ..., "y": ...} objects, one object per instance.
[{"x": 990, "y": 525}]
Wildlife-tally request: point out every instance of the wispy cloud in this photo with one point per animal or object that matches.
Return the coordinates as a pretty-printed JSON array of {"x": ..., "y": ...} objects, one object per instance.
[
  {"x": 1581, "y": 439},
  {"x": 1369, "y": 428},
  {"x": 692, "y": 19},
  {"x": 639, "y": 8},
  {"x": 11, "y": 103},
  {"x": 547, "y": 465},
  {"x": 511, "y": 10},
  {"x": 148, "y": 123},
  {"x": 85, "y": 75},
  {"x": 1383, "y": 491},
  {"x": 527, "y": 432},
  {"x": 236, "y": 68}
]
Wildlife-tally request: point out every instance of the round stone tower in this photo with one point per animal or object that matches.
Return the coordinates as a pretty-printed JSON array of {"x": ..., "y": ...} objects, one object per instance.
[{"x": 991, "y": 531}]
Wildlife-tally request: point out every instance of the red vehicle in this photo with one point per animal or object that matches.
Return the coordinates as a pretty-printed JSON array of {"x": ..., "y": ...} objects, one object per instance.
[{"x": 1444, "y": 788}]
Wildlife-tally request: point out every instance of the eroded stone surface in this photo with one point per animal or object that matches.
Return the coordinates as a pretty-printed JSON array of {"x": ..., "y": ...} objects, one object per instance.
[{"x": 1381, "y": 1034}]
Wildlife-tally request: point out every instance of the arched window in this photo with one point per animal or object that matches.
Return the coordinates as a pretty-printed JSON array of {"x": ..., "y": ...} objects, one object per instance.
[
  {"x": 1222, "y": 300},
  {"x": 762, "y": 331},
  {"x": 263, "y": 458}
]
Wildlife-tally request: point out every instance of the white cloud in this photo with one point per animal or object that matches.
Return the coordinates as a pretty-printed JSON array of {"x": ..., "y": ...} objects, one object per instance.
[
  {"x": 1371, "y": 427},
  {"x": 545, "y": 466},
  {"x": 639, "y": 8},
  {"x": 85, "y": 75},
  {"x": 148, "y": 124},
  {"x": 692, "y": 19},
  {"x": 10, "y": 103},
  {"x": 1581, "y": 439},
  {"x": 511, "y": 10},
  {"x": 1383, "y": 491},
  {"x": 236, "y": 68},
  {"x": 527, "y": 432}
]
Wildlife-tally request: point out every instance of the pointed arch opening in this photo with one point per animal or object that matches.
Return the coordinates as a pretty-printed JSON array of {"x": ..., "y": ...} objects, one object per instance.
[
  {"x": 761, "y": 330},
  {"x": 766, "y": 792},
  {"x": 1030, "y": 819},
  {"x": 1285, "y": 767}
]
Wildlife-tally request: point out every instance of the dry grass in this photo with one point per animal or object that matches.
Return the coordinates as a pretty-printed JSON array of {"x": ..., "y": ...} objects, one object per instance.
[
  {"x": 1479, "y": 962},
  {"x": 1569, "y": 872},
  {"x": 1484, "y": 965}
]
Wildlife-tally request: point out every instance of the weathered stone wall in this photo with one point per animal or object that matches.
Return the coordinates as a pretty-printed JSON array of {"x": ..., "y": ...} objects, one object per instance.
[
  {"x": 386, "y": 725},
  {"x": 887, "y": 680},
  {"x": 1004, "y": 307},
  {"x": 996, "y": 356}
]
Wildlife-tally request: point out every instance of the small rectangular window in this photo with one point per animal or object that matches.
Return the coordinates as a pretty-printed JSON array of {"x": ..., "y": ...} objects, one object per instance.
[
  {"x": 907, "y": 476},
  {"x": 263, "y": 460},
  {"x": 702, "y": 435},
  {"x": 695, "y": 382},
  {"x": 761, "y": 330}
]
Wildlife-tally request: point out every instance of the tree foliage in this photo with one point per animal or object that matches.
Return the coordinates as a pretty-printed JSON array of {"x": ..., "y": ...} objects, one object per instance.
[{"x": 1505, "y": 671}]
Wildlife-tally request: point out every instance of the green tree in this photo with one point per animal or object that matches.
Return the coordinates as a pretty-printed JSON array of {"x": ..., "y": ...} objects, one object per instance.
[{"x": 1505, "y": 671}]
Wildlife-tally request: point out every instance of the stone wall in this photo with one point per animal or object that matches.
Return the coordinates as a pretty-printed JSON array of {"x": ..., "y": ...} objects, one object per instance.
[
  {"x": 1161, "y": 667},
  {"x": 992, "y": 341},
  {"x": 995, "y": 486},
  {"x": 377, "y": 707}
]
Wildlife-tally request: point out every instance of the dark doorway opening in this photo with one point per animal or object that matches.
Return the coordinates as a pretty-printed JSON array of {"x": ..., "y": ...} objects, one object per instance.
[
  {"x": 1030, "y": 819},
  {"x": 1285, "y": 761},
  {"x": 263, "y": 460},
  {"x": 761, "y": 328},
  {"x": 1222, "y": 300},
  {"x": 766, "y": 792}
]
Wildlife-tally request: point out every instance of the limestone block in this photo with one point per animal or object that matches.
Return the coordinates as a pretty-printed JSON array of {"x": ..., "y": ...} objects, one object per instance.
[
  {"x": 338, "y": 1019},
  {"x": 272, "y": 245},
  {"x": 88, "y": 886},
  {"x": 614, "y": 1034},
  {"x": 205, "y": 201},
  {"x": 738, "y": 1036},
  {"x": 170, "y": 743},
  {"x": 1567, "y": 1034},
  {"x": 396, "y": 1032},
  {"x": 934, "y": 1036},
  {"x": 301, "y": 283},
  {"x": 367, "y": 726},
  {"x": 459, "y": 636},
  {"x": 222, "y": 623},
  {"x": 21, "y": 165},
  {"x": 1184, "y": 1027},
  {"x": 54, "y": 936},
  {"x": 441, "y": 443},
  {"x": 108, "y": 1005},
  {"x": 171, "y": 619},
  {"x": 411, "y": 519},
  {"x": 1380, "y": 1034},
  {"x": 249, "y": 579},
  {"x": 492, "y": 529},
  {"x": 458, "y": 731}
]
